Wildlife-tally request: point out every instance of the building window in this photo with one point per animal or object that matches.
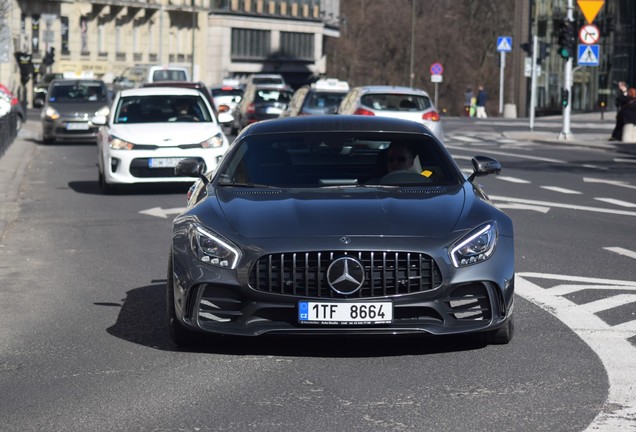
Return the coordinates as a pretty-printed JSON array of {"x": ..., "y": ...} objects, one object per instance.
[
  {"x": 101, "y": 43},
  {"x": 250, "y": 44},
  {"x": 297, "y": 45}
]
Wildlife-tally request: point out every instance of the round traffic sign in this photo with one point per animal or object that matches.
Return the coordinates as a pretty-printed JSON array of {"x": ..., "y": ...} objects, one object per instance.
[
  {"x": 589, "y": 34},
  {"x": 437, "y": 69}
]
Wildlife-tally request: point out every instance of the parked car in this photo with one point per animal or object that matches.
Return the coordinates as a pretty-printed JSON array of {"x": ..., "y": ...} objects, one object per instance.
[
  {"x": 16, "y": 105},
  {"x": 260, "y": 102},
  {"x": 297, "y": 232},
  {"x": 397, "y": 102},
  {"x": 136, "y": 76},
  {"x": 320, "y": 98},
  {"x": 223, "y": 118},
  {"x": 150, "y": 130},
  {"x": 41, "y": 87},
  {"x": 69, "y": 106}
]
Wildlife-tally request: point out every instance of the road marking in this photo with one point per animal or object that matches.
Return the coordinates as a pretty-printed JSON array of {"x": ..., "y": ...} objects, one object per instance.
[
  {"x": 596, "y": 167},
  {"x": 621, "y": 160},
  {"x": 565, "y": 206},
  {"x": 515, "y": 206},
  {"x": 162, "y": 213},
  {"x": 616, "y": 202},
  {"x": 556, "y": 161},
  {"x": 610, "y": 343},
  {"x": 609, "y": 182},
  {"x": 561, "y": 190},
  {"x": 512, "y": 179},
  {"x": 621, "y": 251},
  {"x": 609, "y": 303},
  {"x": 465, "y": 139}
]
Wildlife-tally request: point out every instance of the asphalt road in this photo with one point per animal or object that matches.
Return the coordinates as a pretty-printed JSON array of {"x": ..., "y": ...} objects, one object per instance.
[{"x": 83, "y": 343}]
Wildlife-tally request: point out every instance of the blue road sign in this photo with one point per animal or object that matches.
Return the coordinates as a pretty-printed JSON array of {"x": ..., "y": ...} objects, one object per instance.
[
  {"x": 504, "y": 43},
  {"x": 588, "y": 55}
]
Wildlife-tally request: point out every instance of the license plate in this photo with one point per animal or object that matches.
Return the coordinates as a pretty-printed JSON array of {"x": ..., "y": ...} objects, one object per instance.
[
  {"x": 163, "y": 162},
  {"x": 273, "y": 110},
  {"x": 345, "y": 313},
  {"x": 76, "y": 126}
]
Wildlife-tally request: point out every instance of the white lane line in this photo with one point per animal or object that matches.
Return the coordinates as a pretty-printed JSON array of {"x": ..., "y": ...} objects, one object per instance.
[
  {"x": 616, "y": 353},
  {"x": 621, "y": 160},
  {"x": 566, "y": 289},
  {"x": 616, "y": 202},
  {"x": 561, "y": 190},
  {"x": 465, "y": 139},
  {"x": 621, "y": 251},
  {"x": 609, "y": 303},
  {"x": 565, "y": 206},
  {"x": 609, "y": 182},
  {"x": 514, "y": 206},
  {"x": 596, "y": 167},
  {"x": 556, "y": 161},
  {"x": 512, "y": 179}
]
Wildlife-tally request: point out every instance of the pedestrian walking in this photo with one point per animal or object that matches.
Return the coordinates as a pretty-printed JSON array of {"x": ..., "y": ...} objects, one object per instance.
[
  {"x": 468, "y": 101},
  {"x": 482, "y": 97},
  {"x": 621, "y": 99},
  {"x": 627, "y": 117}
]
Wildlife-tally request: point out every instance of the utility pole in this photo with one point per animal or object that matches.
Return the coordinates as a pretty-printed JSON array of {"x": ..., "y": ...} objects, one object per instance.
[
  {"x": 533, "y": 80},
  {"x": 566, "y": 132},
  {"x": 412, "y": 72}
]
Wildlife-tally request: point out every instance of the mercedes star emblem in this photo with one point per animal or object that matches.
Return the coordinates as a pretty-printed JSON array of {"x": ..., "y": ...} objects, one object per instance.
[{"x": 345, "y": 275}]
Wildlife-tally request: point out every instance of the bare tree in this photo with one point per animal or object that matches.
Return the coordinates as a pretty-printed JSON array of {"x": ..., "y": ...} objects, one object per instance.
[{"x": 375, "y": 43}]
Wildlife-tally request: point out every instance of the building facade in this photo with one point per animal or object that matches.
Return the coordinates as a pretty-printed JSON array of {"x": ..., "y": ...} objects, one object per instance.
[
  {"x": 214, "y": 39},
  {"x": 593, "y": 87}
]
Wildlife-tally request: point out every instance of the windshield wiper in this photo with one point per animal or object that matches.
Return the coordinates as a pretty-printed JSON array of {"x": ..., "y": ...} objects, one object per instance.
[{"x": 248, "y": 185}]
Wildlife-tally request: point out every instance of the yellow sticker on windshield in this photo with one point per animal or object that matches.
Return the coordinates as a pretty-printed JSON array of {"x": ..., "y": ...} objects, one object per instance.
[{"x": 427, "y": 173}]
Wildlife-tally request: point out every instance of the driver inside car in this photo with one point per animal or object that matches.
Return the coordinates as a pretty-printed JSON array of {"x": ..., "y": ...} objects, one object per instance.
[{"x": 400, "y": 157}]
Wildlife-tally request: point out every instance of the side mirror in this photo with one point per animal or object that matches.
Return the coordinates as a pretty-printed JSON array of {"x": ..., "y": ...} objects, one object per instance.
[
  {"x": 190, "y": 167},
  {"x": 484, "y": 165},
  {"x": 100, "y": 120}
]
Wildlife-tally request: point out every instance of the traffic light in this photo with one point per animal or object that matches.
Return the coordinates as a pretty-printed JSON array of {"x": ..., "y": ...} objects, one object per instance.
[
  {"x": 567, "y": 39},
  {"x": 565, "y": 95},
  {"x": 527, "y": 47}
]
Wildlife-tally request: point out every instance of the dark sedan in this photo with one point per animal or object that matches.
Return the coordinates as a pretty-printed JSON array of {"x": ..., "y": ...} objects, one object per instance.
[
  {"x": 260, "y": 102},
  {"x": 340, "y": 225}
]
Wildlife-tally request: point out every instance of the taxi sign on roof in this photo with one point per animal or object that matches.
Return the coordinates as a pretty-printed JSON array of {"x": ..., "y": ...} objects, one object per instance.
[
  {"x": 331, "y": 84},
  {"x": 590, "y": 8}
]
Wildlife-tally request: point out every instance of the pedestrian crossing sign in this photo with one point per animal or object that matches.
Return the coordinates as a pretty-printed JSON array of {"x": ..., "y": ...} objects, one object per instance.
[
  {"x": 504, "y": 44},
  {"x": 588, "y": 55}
]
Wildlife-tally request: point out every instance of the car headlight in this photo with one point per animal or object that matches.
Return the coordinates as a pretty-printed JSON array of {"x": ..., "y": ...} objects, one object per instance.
[
  {"x": 475, "y": 247},
  {"x": 103, "y": 111},
  {"x": 215, "y": 142},
  {"x": 51, "y": 113},
  {"x": 119, "y": 144},
  {"x": 211, "y": 249}
]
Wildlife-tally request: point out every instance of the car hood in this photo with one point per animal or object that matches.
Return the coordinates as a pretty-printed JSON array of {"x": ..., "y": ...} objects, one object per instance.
[
  {"x": 165, "y": 133},
  {"x": 265, "y": 213}
]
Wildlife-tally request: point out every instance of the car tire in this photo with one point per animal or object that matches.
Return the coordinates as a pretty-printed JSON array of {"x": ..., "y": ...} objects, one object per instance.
[
  {"x": 19, "y": 122},
  {"x": 48, "y": 140},
  {"x": 502, "y": 335},
  {"x": 107, "y": 189},
  {"x": 180, "y": 336}
]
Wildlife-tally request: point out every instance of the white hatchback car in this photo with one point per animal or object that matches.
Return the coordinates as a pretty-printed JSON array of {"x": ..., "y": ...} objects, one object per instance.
[
  {"x": 396, "y": 102},
  {"x": 149, "y": 130}
]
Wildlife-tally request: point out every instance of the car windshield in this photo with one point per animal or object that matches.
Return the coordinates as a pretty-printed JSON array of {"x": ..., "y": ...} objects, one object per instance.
[
  {"x": 330, "y": 159},
  {"x": 396, "y": 102},
  {"x": 162, "y": 108},
  {"x": 78, "y": 92},
  {"x": 272, "y": 95}
]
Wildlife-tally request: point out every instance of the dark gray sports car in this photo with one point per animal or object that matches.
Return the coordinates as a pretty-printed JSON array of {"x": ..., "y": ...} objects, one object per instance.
[{"x": 340, "y": 225}]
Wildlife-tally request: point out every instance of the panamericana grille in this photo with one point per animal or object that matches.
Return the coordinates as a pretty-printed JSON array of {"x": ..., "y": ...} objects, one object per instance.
[{"x": 303, "y": 274}]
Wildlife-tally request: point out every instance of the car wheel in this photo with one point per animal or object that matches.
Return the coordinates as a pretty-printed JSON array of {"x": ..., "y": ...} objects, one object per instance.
[
  {"x": 179, "y": 335},
  {"x": 502, "y": 335},
  {"x": 18, "y": 124},
  {"x": 48, "y": 140}
]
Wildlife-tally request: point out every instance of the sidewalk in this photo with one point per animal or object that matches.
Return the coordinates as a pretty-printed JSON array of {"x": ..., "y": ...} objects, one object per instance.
[{"x": 13, "y": 167}]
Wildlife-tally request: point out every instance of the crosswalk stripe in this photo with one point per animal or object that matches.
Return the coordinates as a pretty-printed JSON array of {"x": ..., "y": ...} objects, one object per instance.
[
  {"x": 513, "y": 179},
  {"x": 621, "y": 251}
]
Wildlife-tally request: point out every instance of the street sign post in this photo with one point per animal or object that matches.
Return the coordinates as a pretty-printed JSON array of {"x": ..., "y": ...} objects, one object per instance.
[
  {"x": 589, "y": 34},
  {"x": 590, "y": 8},
  {"x": 588, "y": 55},
  {"x": 436, "y": 70},
  {"x": 504, "y": 45}
]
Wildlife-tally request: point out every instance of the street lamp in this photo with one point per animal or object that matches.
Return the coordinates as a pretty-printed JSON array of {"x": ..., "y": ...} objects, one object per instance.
[{"x": 412, "y": 72}]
